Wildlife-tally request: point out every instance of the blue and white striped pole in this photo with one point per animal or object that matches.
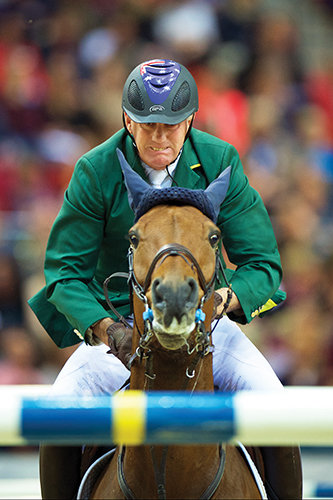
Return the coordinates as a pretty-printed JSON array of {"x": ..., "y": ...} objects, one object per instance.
[{"x": 295, "y": 415}]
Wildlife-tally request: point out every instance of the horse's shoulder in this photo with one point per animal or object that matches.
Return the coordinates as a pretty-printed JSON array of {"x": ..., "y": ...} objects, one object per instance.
[
  {"x": 242, "y": 472},
  {"x": 95, "y": 473}
]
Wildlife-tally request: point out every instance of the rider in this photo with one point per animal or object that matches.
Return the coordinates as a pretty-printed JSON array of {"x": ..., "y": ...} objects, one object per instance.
[{"x": 88, "y": 243}]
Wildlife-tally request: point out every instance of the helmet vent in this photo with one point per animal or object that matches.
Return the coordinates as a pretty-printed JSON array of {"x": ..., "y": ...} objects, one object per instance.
[
  {"x": 135, "y": 97},
  {"x": 182, "y": 97}
]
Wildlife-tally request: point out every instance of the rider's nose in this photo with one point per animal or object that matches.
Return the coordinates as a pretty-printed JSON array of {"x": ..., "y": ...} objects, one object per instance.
[{"x": 158, "y": 132}]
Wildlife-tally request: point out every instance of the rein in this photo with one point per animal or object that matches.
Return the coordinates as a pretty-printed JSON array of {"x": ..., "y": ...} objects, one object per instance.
[
  {"x": 143, "y": 351},
  {"x": 160, "y": 474}
]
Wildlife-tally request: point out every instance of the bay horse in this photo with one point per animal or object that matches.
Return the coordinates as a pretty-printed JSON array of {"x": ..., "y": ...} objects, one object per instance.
[{"x": 173, "y": 260}]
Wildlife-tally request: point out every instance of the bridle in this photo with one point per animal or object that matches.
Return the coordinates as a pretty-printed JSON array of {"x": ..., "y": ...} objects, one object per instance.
[
  {"x": 169, "y": 250},
  {"x": 144, "y": 352},
  {"x": 202, "y": 345}
]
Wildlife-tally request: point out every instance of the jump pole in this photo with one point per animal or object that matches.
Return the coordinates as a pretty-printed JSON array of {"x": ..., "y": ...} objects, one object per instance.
[{"x": 302, "y": 415}]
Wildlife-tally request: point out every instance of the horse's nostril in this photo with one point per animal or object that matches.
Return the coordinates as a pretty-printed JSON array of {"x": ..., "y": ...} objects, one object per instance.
[
  {"x": 158, "y": 292},
  {"x": 192, "y": 284},
  {"x": 192, "y": 291}
]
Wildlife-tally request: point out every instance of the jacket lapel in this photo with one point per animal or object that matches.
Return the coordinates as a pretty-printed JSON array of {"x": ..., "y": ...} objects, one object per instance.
[
  {"x": 133, "y": 158},
  {"x": 185, "y": 174}
]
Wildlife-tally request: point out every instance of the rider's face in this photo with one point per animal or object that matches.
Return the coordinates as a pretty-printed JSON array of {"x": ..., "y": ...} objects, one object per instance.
[{"x": 158, "y": 144}]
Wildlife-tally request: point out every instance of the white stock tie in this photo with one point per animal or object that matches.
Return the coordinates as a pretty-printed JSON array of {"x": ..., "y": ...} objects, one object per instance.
[{"x": 159, "y": 178}]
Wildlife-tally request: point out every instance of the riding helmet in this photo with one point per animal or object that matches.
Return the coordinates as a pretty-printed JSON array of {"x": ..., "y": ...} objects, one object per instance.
[{"x": 160, "y": 91}]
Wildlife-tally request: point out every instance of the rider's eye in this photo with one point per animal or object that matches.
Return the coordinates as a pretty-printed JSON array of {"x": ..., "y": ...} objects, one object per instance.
[
  {"x": 134, "y": 240},
  {"x": 214, "y": 239}
]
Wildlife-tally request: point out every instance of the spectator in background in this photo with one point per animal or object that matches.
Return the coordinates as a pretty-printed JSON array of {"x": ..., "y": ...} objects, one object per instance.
[
  {"x": 225, "y": 109},
  {"x": 20, "y": 358},
  {"x": 11, "y": 307},
  {"x": 189, "y": 28}
]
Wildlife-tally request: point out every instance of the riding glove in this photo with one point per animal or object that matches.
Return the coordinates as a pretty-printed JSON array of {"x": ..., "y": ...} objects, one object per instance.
[
  {"x": 217, "y": 302},
  {"x": 120, "y": 342}
]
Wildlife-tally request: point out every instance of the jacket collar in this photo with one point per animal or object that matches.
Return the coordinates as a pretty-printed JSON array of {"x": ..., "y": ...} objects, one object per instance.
[{"x": 133, "y": 158}]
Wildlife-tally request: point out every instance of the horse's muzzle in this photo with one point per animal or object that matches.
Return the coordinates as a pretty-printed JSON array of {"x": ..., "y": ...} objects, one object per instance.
[{"x": 174, "y": 306}]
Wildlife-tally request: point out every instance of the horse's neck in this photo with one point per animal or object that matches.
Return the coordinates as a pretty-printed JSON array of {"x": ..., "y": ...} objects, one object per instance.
[
  {"x": 182, "y": 461},
  {"x": 169, "y": 371}
]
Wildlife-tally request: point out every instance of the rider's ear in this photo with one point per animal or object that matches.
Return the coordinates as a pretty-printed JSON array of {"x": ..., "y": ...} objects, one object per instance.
[
  {"x": 190, "y": 119},
  {"x": 128, "y": 122}
]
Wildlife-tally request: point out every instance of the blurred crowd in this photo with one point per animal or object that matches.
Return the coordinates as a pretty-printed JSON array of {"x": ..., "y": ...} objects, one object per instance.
[{"x": 265, "y": 76}]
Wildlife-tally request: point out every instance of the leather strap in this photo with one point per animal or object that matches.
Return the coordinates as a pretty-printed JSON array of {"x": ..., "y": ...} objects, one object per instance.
[
  {"x": 160, "y": 474},
  {"x": 215, "y": 483},
  {"x": 121, "y": 476},
  {"x": 160, "y": 471}
]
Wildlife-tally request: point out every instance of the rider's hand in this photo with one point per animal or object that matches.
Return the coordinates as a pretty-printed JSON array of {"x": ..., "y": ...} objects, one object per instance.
[
  {"x": 220, "y": 299},
  {"x": 120, "y": 342},
  {"x": 217, "y": 303}
]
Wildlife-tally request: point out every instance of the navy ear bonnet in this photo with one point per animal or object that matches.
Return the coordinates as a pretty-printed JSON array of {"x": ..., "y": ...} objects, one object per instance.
[
  {"x": 142, "y": 197},
  {"x": 176, "y": 196}
]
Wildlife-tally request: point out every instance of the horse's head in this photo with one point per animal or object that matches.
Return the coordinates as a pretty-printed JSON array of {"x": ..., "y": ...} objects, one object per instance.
[
  {"x": 174, "y": 279},
  {"x": 174, "y": 244}
]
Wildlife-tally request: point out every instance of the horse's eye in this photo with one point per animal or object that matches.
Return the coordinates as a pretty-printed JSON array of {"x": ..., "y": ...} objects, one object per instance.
[
  {"x": 134, "y": 240},
  {"x": 214, "y": 239}
]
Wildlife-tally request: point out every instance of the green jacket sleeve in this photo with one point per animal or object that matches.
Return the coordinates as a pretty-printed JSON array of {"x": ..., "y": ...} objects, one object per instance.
[
  {"x": 71, "y": 256},
  {"x": 249, "y": 241}
]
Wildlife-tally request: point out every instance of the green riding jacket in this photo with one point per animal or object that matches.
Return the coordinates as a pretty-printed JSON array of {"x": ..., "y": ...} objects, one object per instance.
[{"x": 88, "y": 241}]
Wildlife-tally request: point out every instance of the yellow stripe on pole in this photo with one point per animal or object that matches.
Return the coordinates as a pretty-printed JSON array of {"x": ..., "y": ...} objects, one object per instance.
[{"x": 129, "y": 417}]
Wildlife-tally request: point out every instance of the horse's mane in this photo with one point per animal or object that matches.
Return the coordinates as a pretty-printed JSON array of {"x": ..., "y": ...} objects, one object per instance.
[{"x": 176, "y": 196}]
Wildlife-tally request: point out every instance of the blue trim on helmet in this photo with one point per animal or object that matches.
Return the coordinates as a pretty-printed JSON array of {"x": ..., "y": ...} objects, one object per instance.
[{"x": 159, "y": 76}]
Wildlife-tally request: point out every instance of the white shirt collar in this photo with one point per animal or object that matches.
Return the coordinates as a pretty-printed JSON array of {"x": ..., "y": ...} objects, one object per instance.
[{"x": 160, "y": 178}]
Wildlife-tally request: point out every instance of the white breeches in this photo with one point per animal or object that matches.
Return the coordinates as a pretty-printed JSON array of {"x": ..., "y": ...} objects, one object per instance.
[{"x": 237, "y": 365}]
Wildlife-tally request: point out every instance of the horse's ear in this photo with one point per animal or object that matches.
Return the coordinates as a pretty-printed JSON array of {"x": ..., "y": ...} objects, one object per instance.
[
  {"x": 136, "y": 186},
  {"x": 217, "y": 190}
]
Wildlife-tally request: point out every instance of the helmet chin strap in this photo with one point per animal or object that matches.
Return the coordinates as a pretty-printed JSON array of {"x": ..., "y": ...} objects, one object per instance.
[
  {"x": 168, "y": 172},
  {"x": 128, "y": 132},
  {"x": 189, "y": 129}
]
